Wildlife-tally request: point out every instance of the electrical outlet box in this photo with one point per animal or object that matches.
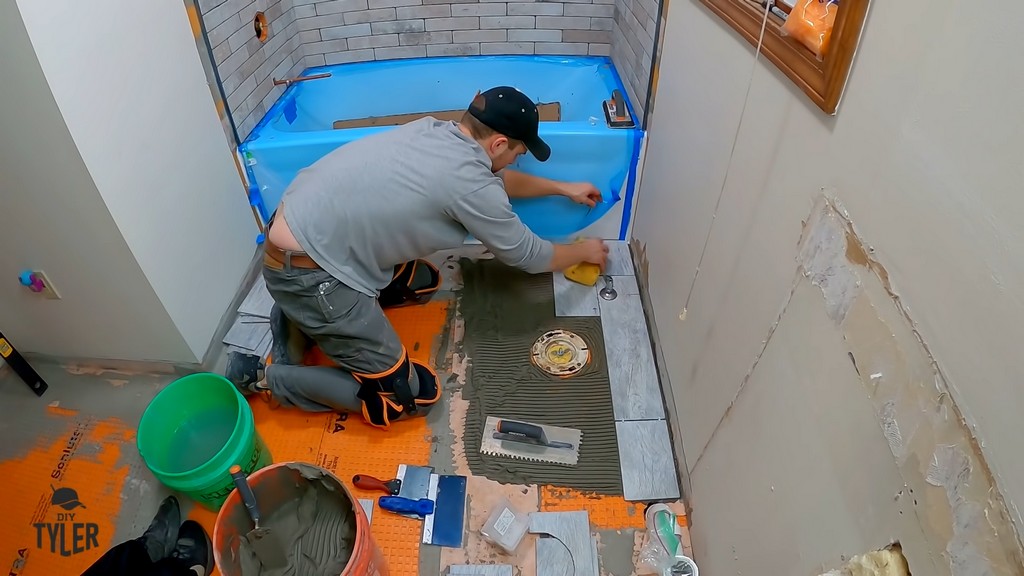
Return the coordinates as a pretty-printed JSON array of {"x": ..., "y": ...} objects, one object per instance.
[{"x": 49, "y": 290}]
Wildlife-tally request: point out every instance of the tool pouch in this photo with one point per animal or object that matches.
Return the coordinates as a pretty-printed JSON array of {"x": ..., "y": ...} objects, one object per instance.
[
  {"x": 413, "y": 282},
  {"x": 387, "y": 396}
]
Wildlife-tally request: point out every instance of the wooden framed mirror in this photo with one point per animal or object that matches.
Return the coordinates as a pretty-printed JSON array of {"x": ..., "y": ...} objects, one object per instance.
[{"x": 822, "y": 80}]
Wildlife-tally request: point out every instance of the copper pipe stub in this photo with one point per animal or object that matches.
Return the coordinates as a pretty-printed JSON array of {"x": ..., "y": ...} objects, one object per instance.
[{"x": 289, "y": 81}]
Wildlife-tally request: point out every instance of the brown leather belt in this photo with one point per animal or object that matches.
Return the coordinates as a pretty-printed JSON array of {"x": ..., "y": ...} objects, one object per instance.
[{"x": 277, "y": 258}]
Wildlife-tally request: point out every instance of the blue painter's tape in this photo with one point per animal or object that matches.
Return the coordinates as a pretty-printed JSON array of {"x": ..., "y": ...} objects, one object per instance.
[
  {"x": 291, "y": 111},
  {"x": 627, "y": 210},
  {"x": 256, "y": 199}
]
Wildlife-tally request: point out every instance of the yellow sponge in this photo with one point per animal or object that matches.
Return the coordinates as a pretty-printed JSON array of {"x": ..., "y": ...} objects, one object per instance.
[{"x": 584, "y": 273}]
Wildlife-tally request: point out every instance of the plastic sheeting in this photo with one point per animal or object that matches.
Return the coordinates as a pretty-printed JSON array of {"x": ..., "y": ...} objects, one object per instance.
[{"x": 297, "y": 130}]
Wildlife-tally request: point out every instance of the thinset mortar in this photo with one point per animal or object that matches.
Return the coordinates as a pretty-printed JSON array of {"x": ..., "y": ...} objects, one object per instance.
[
  {"x": 505, "y": 311},
  {"x": 318, "y": 528}
]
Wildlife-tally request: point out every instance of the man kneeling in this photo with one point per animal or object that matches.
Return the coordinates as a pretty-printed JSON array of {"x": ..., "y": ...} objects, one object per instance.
[{"x": 348, "y": 234}]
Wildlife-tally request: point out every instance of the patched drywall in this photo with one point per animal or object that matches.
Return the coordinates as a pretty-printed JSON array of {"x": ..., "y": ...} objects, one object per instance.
[
  {"x": 923, "y": 158},
  {"x": 846, "y": 435}
]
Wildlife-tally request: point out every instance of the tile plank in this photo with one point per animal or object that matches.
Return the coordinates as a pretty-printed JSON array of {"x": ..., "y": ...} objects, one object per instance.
[
  {"x": 574, "y": 299},
  {"x": 636, "y": 393},
  {"x": 263, "y": 350},
  {"x": 624, "y": 285},
  {"x": 247, "y": 335},
  {"x": 648, "y": 466},
  {"x": 571, "y": 529},
  {"x": 258, "y": 302},
  {"x": 480, "y": 570},
  {"x": 367, "y": 506},
  {"x": 620, "y": 262}
]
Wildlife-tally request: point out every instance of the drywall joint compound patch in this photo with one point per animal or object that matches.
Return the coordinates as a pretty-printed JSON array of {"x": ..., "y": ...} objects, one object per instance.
[{"x": 949, "y": 488}]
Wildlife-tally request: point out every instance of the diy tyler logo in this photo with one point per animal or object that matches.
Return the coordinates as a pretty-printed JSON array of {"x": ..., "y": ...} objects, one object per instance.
[{"x": 65, "y": 535}]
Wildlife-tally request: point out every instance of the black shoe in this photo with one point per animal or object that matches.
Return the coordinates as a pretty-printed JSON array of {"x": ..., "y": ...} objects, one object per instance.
[
  {"x": 194, "y": 551},
  {"x": 289, "y": 344},
  {"x": 162, "y": 533},
  {"x": 245, "y": 371}
]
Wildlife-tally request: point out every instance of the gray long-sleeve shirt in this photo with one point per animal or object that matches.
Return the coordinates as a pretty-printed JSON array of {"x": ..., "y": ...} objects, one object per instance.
[{"x": 403, "y": 194}]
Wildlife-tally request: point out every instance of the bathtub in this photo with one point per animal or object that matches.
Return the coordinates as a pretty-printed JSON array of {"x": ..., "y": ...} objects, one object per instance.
[{"x": 298, "y": 128}]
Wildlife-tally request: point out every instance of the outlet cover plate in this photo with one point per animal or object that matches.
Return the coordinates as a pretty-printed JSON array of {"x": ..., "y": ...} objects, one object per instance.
[{"x": 49, "y": 290}]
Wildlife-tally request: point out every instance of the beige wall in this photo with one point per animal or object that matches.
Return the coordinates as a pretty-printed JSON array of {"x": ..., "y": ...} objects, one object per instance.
[
  {"x": 925, "y": 159},
  {"x": 53, "y": 218},
  {"x": 116, "y": 181}
]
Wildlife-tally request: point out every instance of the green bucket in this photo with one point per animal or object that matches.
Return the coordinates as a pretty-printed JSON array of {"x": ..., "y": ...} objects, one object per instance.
[{"x": 193, "y": 431}]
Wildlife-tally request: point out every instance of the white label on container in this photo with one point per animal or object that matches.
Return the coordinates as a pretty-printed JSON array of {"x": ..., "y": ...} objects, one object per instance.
[{"x": 503, "y": 522}]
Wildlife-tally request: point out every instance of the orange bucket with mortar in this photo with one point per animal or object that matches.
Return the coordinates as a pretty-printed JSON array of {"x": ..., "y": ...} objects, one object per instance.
[{"x": 311, "y": 513}]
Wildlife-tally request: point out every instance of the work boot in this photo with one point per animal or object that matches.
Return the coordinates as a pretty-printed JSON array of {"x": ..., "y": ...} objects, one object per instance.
[
  {"x": 246, "y": 372},
  {"x": 194, "y": 550},
  {"x": 162, "y": 533},
  {"x": 289, "y": 344}
]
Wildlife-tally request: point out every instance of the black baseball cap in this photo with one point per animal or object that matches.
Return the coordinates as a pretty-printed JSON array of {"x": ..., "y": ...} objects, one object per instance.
[{"x": 511, "y": 113}]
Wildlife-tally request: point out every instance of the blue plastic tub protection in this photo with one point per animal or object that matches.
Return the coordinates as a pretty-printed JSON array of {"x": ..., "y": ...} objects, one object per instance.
[{"x": 298, "y": 129}]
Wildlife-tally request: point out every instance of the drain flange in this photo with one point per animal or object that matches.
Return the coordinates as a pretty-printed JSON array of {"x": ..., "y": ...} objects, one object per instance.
[{"x": 560, "y": 353}]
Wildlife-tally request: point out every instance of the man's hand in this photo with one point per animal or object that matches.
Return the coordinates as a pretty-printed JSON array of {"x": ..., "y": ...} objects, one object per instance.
[
  {"x": 582, "y": 193},
  {"x": 595, "y": 251},
  {"x": 591, "y": 250}
]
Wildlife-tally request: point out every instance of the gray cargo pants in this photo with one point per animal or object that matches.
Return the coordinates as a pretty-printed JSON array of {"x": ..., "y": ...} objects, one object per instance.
[{"x": 348, "y": 326}]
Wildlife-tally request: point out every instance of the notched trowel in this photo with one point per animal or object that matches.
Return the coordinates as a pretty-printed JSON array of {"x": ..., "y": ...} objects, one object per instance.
[{"x": 529, "y": 441}]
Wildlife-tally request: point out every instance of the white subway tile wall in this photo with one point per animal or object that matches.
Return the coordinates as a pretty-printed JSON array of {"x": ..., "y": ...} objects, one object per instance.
[{"x": 305, "y": 33}]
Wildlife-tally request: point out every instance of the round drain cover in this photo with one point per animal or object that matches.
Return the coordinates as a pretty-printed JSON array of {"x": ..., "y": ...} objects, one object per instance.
[{"x": 560, "y": 352}]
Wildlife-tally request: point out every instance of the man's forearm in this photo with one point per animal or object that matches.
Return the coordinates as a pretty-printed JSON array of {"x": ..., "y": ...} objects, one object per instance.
[
  {"x": 566, "y": 255},
  {"x": 522, "y": 185}
]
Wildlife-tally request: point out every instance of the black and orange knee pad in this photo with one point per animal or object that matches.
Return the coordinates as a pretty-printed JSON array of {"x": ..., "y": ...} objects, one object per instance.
[
  {"x": 413, "y": 282},
  {"x": 387, "y": 396}
]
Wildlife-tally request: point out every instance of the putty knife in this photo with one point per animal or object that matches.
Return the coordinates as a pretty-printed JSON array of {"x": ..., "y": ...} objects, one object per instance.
[
  {"x": 414, "y": 482},
  {"x": 364, "y": 482},
  {"x": 407, "y": 507},
  {"x": 444, "y": 527}
]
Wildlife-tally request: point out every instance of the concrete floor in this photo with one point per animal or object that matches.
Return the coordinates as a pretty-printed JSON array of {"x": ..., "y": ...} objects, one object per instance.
[
  {"x": 78, "y": 398},
  {"x": 83, "y": 398}
]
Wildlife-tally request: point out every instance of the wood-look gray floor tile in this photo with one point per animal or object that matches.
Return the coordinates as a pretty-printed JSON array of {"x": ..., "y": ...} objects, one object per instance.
[
  {"x": 624, "y": 285},
  {"x": 648, "y": 466},
  {"x": 367, "y": 506},
  {"x": 636, "y": 393},
  {"x": 572, "y": 530},
  {"x": 480, "y": 570},
  {"x": 258, "y": 302},
  {"x": 620, "y": 262},
  {"x": 263, "y": 350},
  {"x": 246, "y": 335},
  {"x": 574, "y": 299}
]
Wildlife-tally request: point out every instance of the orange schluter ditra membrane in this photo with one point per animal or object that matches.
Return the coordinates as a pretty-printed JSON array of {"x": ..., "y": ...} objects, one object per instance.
[
  {"x": 65, "y": 494},
  {"x": 345, "y": 445}
]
